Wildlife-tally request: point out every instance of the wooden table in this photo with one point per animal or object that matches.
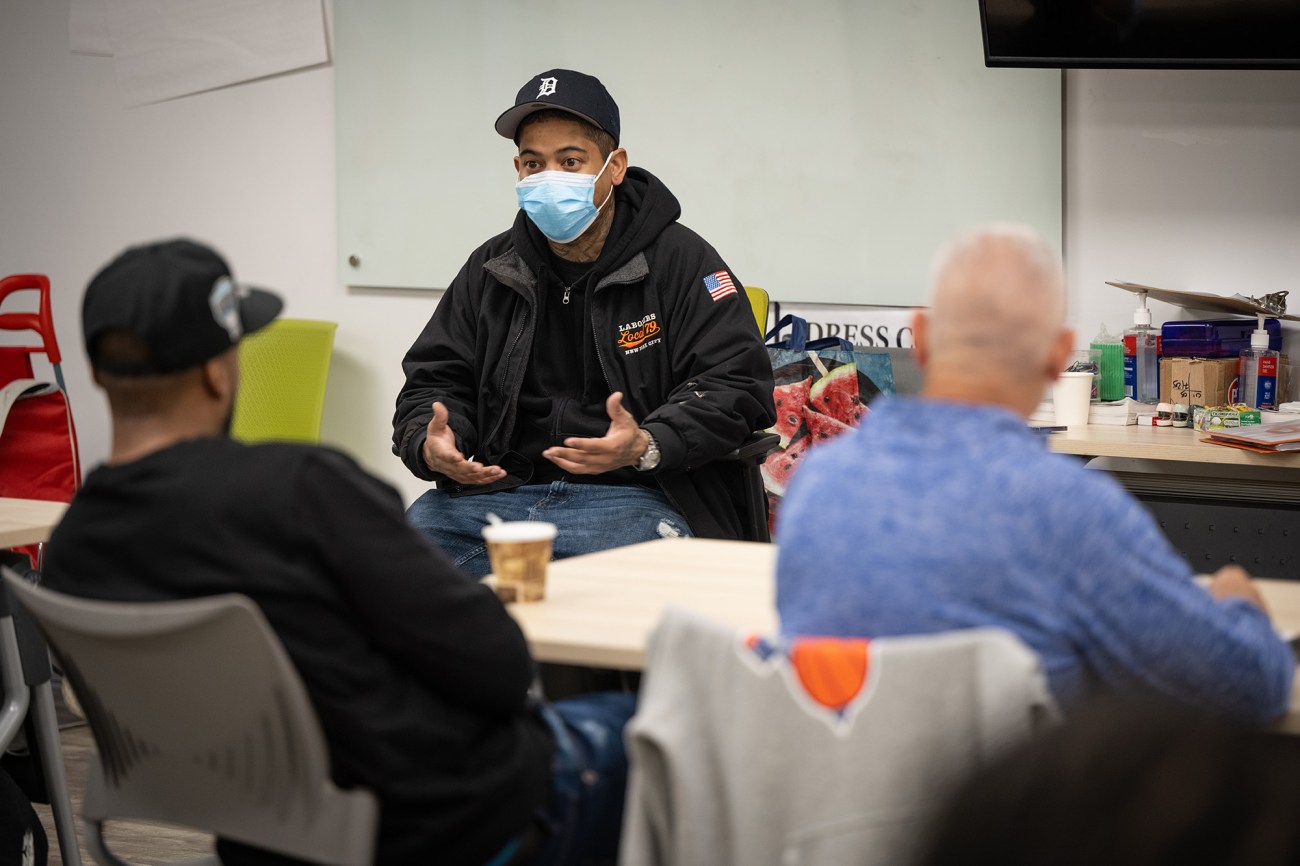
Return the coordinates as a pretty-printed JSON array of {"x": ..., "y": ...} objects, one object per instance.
[
  {"x": 600, "y": 608},
  {"x": 27, "y": 521},
  {"x": 1162, "y": 443}
]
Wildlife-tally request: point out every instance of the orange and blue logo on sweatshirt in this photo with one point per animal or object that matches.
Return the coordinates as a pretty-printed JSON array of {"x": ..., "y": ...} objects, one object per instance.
[{"x": 828, "y": 676}]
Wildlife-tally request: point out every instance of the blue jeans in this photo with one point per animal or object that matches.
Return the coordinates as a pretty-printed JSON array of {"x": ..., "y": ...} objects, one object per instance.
[
  {"x": 581, "y": 824},
  {"x": 589, "y": 517},
  {"x": 588, "y": 779}
]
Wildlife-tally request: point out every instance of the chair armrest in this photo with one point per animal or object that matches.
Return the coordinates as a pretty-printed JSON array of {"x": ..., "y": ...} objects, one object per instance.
[{"x": 754, "y": 449}]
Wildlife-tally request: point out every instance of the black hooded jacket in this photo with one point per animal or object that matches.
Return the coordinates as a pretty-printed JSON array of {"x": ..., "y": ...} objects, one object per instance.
[{"x": 692, "y": 369}]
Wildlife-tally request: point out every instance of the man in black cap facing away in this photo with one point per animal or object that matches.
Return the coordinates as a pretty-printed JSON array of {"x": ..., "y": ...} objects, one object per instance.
[
  {"x": 418, "y": 674},
  {"x": 589, "y": 366}
]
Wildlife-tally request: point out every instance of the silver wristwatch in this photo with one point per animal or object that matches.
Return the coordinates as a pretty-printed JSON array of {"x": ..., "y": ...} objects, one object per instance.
[{"x": 650, "y": 459}]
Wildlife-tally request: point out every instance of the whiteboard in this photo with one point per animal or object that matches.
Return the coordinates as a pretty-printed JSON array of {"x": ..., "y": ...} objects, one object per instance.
[{"x": 826, "y": 149}]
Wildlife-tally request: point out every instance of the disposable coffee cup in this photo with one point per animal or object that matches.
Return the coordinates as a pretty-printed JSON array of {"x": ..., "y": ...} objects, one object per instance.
[
  {"x": 519, "y": 551},
  {"x": 1070, "y": 397},
  {"x": 1087, "y": 361}
]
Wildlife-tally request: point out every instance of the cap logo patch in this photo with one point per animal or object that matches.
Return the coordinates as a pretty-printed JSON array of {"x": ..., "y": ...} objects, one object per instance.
[
  {"x": 225, "y": 307},
  {"x": 548, "y": 87}
]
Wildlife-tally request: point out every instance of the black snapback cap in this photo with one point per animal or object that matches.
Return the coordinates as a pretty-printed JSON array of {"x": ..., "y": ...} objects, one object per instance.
[
  {"x": 565, "y": 90},
  {"x": 180, "y": 299}
]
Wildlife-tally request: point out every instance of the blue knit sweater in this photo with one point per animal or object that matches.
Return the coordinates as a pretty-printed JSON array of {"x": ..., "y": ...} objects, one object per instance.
[{"x": 937, "y": 516}]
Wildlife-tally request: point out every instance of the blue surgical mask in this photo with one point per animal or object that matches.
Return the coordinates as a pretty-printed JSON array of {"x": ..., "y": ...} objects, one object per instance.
[{"x": 561, "y": 203}]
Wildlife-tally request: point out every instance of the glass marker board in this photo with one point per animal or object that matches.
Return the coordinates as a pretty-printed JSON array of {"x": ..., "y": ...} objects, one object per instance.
[{"x": 826, "y": 149}]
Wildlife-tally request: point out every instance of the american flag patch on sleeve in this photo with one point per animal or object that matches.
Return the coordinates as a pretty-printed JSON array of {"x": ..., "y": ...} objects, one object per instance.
[{"x": 719, "y": 285}]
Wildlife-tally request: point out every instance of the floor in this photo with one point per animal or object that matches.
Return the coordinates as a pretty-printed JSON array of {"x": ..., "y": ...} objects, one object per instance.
[{"x": 137, "y": 843}]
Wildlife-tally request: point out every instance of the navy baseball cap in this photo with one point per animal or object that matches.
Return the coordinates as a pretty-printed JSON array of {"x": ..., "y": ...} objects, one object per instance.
[
  {"x": 180, "y": 299},
  {"x": 565, "y": 90}
]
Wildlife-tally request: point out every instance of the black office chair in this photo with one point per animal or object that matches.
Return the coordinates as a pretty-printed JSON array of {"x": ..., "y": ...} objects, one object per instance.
[
  {"x": 751, "y": 455},
  {"x": 29, "y": 707}
]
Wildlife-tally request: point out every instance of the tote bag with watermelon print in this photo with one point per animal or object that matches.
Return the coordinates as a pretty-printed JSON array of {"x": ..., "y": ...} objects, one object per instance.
[{"x": 822, "y": 389}]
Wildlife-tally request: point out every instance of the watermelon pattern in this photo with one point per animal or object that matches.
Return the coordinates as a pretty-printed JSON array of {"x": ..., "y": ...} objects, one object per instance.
[
  {"x": 789, "y": 400},
  {"x": 780, "y": 465},
  {"x": 836, "y": 395},
  {"x": 822, "y": 427},
  {"x": 811, "y": 409}
]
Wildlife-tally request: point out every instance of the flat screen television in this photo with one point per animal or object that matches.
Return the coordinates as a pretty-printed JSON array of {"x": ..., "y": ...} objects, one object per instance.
[{"x": 1167, "y": 34}]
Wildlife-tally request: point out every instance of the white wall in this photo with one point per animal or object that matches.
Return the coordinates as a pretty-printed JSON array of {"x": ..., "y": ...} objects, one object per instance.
[
  {"x": 868, "y": 134},
  {"x": 1181, "y": 180},
  {"x": 248, "y": 168},
  {"x": 1187, "y": 180}
]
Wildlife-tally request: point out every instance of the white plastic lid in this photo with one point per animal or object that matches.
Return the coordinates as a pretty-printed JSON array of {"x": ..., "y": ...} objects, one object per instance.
[
  {"x": 1142, "y": 316},
  {"x": 1259, "y": 339},
  {"x": 519, "y": 530}
]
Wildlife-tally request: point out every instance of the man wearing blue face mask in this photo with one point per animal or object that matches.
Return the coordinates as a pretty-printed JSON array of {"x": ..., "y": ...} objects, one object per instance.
[{"x": 589, "y": 366}]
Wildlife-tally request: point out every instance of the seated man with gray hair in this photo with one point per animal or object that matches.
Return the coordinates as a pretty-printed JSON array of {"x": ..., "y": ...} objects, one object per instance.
[{"x": 945, "y": 511}]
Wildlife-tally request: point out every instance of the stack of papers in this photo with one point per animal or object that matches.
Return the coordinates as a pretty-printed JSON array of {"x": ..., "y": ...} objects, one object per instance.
[
  {"x": 1264, "y": 438},
  {"x": 1044, "y": 415},
  {"x": 1118, "y": 412}
]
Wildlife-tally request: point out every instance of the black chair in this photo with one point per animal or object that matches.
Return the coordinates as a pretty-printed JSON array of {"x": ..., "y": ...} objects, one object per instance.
[
  {"x": 29, "y": 707},
  {"x": 751, "y": 455}
]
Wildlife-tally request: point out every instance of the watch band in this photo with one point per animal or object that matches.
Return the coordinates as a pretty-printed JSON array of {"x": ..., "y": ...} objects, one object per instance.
[{"x": 650, "y": 459}]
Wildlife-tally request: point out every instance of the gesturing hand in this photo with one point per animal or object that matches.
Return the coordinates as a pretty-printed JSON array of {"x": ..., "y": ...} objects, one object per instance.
[
  {"x": 442, "y": 456},
  {"x": 622, "y": 445}
]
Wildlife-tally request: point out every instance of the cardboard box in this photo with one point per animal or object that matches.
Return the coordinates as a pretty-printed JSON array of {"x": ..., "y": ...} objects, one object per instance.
[
  {"x": 1198, "y": 381},
  {"x": 1210, "y": 381}
]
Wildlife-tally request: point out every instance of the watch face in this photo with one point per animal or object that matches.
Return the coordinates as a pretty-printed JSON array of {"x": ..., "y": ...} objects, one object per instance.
[{"x": 650, "y": 459}]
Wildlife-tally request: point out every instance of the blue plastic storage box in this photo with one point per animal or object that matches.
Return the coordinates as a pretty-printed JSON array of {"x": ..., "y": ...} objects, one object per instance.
[{"x": 1214, "y": 338}]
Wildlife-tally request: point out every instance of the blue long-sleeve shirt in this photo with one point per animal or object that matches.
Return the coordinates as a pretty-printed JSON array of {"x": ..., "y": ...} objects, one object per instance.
[{"x": 936, "y": 516}]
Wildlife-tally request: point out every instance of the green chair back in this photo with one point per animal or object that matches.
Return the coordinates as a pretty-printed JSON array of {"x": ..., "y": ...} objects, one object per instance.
[
  {"x": 283, "y": 369},
  {"x": 758, "y": 303}
]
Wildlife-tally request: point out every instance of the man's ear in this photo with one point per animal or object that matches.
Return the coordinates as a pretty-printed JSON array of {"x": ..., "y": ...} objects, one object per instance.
[
  {"x": 618, "y": 165},
  {"x": 220, "y": 375},
  {"x": 921, "y": 337}
]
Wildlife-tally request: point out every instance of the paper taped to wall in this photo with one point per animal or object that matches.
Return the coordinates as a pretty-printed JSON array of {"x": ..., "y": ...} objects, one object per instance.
[{"x": 164, "y": 49}]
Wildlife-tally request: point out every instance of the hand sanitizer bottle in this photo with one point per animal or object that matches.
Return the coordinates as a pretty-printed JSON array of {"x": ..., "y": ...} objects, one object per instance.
[
  {"x": 1142, "y": 357},
  {"x": 1257, "y": 372}
]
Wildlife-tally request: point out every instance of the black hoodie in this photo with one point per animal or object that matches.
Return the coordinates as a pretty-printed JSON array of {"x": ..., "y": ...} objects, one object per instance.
[{"x": 693, "y": 369}]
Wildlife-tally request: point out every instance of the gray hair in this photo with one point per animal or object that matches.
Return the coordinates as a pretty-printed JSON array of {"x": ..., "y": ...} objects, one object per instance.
[{"x": 997, "y": 300}]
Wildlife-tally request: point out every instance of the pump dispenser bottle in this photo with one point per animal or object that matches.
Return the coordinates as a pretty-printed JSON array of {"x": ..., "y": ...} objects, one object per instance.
[
  {"x": 1142, "y": 356},
  {"x": 1257, "y": 372}
]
